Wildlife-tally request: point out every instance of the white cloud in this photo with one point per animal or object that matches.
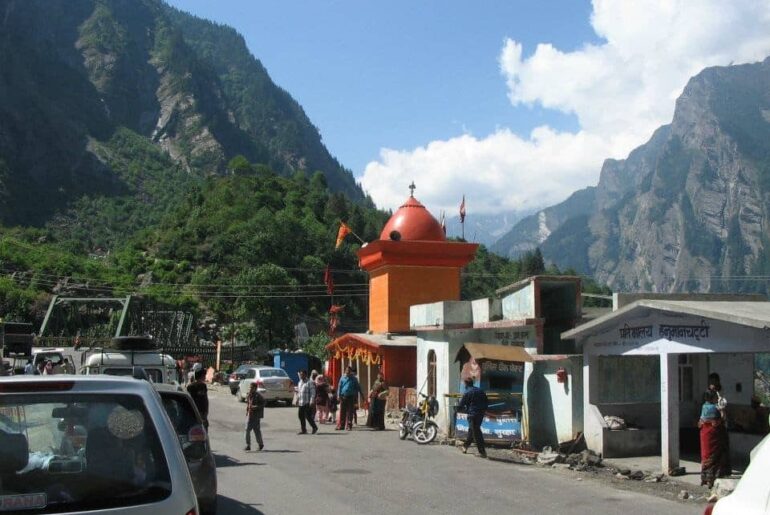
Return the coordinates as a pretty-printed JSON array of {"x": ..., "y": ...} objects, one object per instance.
[{"x": 620, "y": 91}]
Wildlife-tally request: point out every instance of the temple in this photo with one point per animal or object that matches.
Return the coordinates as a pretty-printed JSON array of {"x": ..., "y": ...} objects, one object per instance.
[{"x": 411, "y": 263}]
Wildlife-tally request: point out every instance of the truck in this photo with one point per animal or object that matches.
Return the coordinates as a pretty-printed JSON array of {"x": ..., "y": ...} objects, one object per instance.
[
  {"x": 16, "y": 341},
  {"x": 127, "y": 352}
]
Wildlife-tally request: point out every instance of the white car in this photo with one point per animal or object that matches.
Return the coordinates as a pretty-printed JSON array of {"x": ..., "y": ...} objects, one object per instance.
[
  {"x": 752, "y": 494},
  {"x": 98, "y": 444},
  {"x": 273, "y": 383}
]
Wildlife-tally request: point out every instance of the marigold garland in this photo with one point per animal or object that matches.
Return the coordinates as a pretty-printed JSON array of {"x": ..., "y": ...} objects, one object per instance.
[{"x": 352, "y": 352}]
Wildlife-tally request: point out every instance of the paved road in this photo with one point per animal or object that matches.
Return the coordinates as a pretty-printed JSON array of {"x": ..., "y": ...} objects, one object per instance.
[{"x": 375, "y": 473}]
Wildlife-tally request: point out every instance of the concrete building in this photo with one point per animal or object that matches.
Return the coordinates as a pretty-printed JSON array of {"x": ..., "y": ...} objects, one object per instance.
[
  {"x": 648, "y": 363},
  {"x": 531, "y": 315}
]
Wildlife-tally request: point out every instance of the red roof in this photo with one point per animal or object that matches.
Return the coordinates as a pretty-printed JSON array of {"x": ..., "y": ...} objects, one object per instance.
[{"x": 414, "y": 223}]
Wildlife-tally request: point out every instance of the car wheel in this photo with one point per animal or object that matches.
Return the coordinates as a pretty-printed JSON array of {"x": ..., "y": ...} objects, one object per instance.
[
  {"x": 239, "y": 396},
  {"x": 233, "y": 390}
]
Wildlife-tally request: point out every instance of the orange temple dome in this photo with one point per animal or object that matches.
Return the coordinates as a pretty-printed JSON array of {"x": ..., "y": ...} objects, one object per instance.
[{"x": 414, "y": 223}]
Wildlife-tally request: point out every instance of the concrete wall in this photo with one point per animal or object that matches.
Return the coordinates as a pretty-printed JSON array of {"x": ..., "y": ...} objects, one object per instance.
[
  {"x": 522, "y": 336},
  {"x": 520, "y": 305},
  {"x": 445, "y": 344},
  {"x": 736, "y": 371},
  {"x": 631, "y": 442},
  {"x": 487, "y": 310},
  {"x": 439, "y": 314},
  {"x": 554, "y": 410}
]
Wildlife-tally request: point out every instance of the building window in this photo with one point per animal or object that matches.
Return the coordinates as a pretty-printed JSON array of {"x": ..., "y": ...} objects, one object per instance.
[
  {"x": 432, "y": 372},
  {"x": 685, "y": 378}
]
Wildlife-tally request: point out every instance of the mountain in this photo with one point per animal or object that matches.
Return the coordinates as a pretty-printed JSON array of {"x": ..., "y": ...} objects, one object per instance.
[
  {"x": 84, "y": 81},
  {"x": 688, "y": 210},
  {"x": 484, "y": 229},
  {"x": 533, "y": 229}
]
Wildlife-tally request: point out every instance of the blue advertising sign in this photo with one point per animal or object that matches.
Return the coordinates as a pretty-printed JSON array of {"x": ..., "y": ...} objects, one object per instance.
[{"x": 505, "y": 427}]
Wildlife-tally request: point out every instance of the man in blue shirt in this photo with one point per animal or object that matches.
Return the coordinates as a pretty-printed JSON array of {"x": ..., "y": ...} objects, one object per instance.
[
  {"x": 474, "y": 403},
  {"x": 348, "y": 391}
]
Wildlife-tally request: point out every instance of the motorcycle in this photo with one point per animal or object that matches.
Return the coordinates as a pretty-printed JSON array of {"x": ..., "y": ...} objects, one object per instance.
[{"x": 416, "y": 421}]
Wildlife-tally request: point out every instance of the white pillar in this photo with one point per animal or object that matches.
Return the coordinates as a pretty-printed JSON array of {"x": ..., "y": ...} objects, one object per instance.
[
  {"x": 669, "y": 412},
  {"x": 592, "y": 425},
  {"x": 358, "y": 372}
]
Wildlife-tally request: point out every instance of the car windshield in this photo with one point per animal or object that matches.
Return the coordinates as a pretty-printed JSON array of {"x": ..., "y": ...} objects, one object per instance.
[
  {"x": 272, "y": 372},
  {"x": 242, "y": 369},
  {"x": 78, "y": 452}
]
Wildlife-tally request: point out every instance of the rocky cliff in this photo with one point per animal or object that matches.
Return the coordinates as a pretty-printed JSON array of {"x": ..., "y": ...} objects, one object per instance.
[
  {"x": 687, "y": 211},
  {"x": 76, "y": 73}
]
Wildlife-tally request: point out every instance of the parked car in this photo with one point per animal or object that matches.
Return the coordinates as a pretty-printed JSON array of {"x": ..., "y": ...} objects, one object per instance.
[
  {"x": 89, "y": 444},
  {"x": 273, "y": 383},
  {"x": 236, "y": 377},
  {"x": 195, "y": 444},
  {"x": 752, "y": 494}
]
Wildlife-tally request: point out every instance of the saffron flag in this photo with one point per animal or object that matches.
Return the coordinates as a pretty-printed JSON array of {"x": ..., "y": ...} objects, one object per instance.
[
  {"x": 462, "y": 211},
  {"x": 329, "y": 280},
  {"x": 344, "y": 231}
]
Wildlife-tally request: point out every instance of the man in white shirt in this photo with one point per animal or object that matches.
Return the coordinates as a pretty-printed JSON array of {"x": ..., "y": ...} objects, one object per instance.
[{"x": 305, "y": 402}]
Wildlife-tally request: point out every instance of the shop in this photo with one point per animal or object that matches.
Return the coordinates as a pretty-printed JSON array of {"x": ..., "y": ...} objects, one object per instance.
[
  {"x": 499, "y": 371},
  {"x": 647, "y": 364}
]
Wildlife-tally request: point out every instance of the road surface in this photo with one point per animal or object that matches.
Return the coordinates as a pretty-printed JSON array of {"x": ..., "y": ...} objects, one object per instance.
[{"x": 367, "y": 472}]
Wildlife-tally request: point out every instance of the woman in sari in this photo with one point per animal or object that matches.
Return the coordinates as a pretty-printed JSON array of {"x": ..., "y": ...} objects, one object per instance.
[
  {"x": 712, "y": 442},
  {"x": 715, "y": 385},
  {"x": 377, "y": 400}
]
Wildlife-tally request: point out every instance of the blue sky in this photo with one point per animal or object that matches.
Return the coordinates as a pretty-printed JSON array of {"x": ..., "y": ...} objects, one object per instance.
[
  {"x": 514, "y": 104},
  {"x": 399, "y": 74}
]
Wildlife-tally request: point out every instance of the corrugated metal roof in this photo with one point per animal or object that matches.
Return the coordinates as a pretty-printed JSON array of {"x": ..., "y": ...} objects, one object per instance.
[
  {"x": 745, "y": 313},
  {"x": 495, "y": 352}
]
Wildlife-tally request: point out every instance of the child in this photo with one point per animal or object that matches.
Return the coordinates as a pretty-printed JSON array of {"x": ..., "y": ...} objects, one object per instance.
[{"x": 333, "y": 402}]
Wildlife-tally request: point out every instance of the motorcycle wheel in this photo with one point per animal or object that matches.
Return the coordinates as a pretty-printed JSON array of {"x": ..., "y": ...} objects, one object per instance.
[
  {"x": 424, "y": 433},
  {"x": 402, "y": 432}
]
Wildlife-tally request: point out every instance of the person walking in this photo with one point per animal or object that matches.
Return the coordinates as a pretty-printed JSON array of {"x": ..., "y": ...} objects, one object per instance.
[
  {"x": 255, "y": 411},
  {"x": 305, "y": 403},
  {"x": 200, "y": 395},
  {"x": 322, "y": 398},
  {"x": 348, "y": 391},
  {"x": 474, "y": 403}
]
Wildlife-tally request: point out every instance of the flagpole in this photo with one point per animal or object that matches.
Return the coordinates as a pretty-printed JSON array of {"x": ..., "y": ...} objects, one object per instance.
[{"x": 357, "y": 236}]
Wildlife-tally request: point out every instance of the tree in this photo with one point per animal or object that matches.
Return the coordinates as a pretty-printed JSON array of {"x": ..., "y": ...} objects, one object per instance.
[
  {"x": 316, "y": 346},
  {"x": 239, "y": 165}
]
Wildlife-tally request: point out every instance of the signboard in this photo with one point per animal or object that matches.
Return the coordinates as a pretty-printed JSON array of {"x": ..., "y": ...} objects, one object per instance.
[{"x": 505, "y": 427}]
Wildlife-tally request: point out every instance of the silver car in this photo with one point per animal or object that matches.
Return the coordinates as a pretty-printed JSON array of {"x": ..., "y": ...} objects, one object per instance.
[
  {"x": 96, "y": 444},
  {"x": 273, "y": 383}
]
